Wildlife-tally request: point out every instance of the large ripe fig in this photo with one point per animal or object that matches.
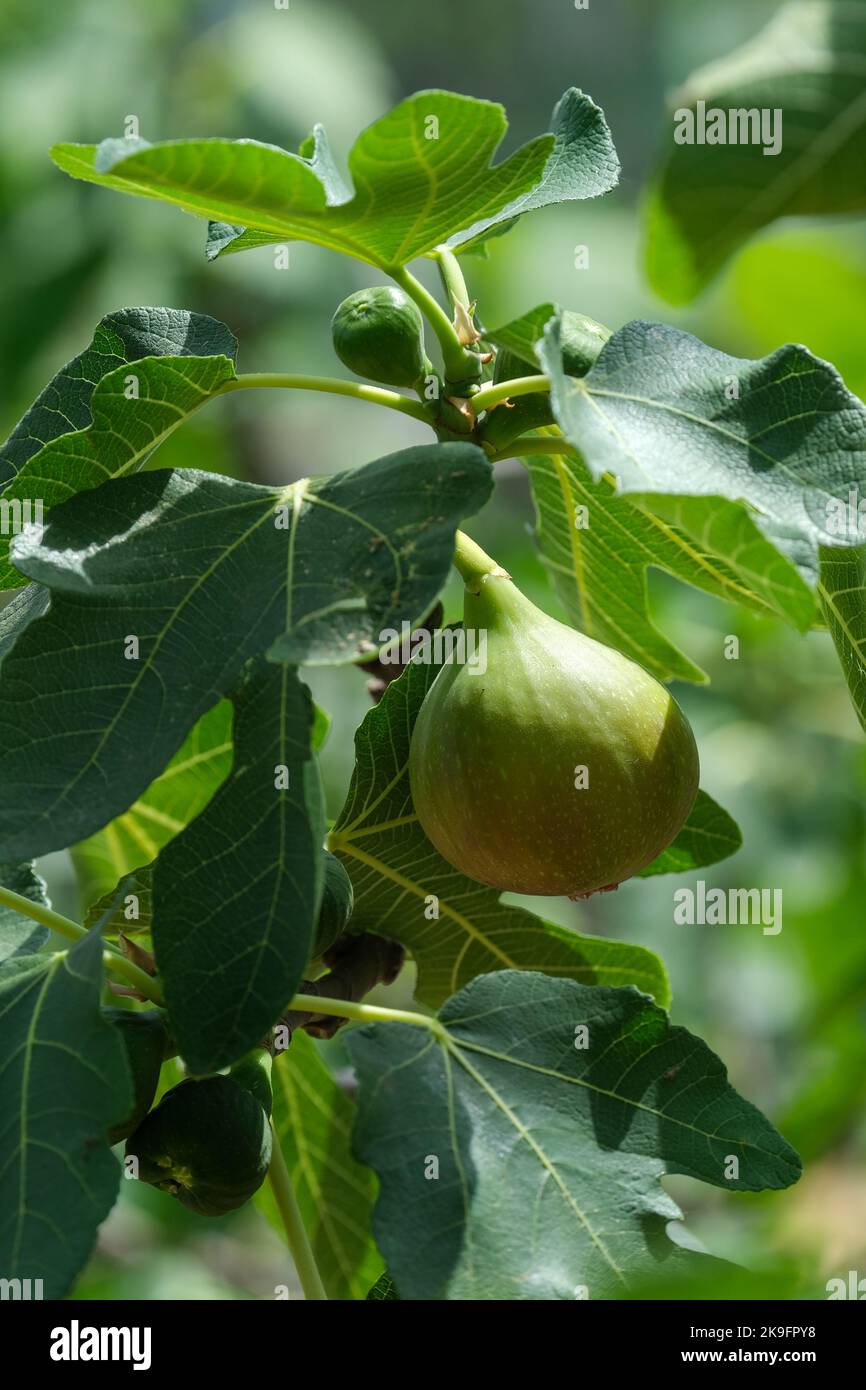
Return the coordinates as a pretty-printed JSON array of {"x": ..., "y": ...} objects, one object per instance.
[
  {"x": 563, "y": 768},
  {"x": 208, "y": 1143}
]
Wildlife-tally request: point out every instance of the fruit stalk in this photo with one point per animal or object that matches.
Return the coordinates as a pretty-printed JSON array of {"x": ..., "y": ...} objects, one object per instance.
[{"x": 296, "y": 1235}]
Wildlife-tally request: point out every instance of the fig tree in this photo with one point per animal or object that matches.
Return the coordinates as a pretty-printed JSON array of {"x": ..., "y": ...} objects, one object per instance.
[{"x": 561, "y": 768}]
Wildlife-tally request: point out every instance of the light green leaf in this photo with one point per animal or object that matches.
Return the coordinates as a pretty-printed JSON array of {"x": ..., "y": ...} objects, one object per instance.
[
  {"x": 20, "y": 935},
  {"x": 205, "y": 572},
  {"x": 65, "y": 1081},
  {"x": 597, "y": 547},
  {"x": 421, "y": 174},
  {"x": 583, "y": 164},
  {"x": 708, "y": 199},
  {"x": 236, "y": 894},
  {"x": 313, "y": 1122},
  {"x": 397, "y": 876},
  {"x": 664, "y": 413},
  {"x": 551, "y": 1141},
  {"x": 708, "y": 835},
  {"x": 842, "y": 591}
]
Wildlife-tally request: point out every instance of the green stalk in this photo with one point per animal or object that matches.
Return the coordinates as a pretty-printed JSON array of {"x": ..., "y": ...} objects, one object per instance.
[
  {"x": 362, "y": 1013},
  {"x": 296, "y": 1234},
  {"x": 458, "y": 361},
  {"x": 472, "y": 563},
  {"x": 113, "y": 957},
  {"x": 520, "y": 386},
  {"x": 535, "y": 444},
  {"x": 360, "y": 390},
  {"x": 453, "y": 279}
]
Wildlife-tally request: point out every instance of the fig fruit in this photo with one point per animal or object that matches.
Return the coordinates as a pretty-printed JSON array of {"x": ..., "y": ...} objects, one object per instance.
[
  {"x": 379, "y": 334},
  {"x": 561, "y": 768},
  {"x": 145, "y": 1038},
  {"x": 207, "y": 1143},
  {"x": 338, "y": 900},
  {"x": 253, "y": 1072}
]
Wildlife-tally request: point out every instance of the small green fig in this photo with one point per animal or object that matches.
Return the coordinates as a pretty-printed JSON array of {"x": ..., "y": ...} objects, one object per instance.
[
  {"x": 207, "y": 1143},
  {"x": 253, "y": 1072},
  {"x": 379, "y": 333},
  {"x": 338, "y": 899},
  {"x": 145, "y": 1037},
  {"x": 560, "y": 769}
]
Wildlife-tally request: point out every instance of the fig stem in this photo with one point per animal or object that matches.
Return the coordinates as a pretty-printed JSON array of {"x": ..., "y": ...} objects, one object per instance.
[
  {"x": 112, "y": 956},
  {"x": 519, "y": 386},
  {"x": 473, "y": 564},
  {"x": 296, "y": 1234},
  {"x": 360, "y": 390}
]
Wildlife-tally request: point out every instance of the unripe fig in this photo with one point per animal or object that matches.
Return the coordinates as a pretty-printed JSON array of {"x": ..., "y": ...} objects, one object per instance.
[
  {"x": 207, "y": 1143},
  {"x": 379, "y": 334},
  {"x": 563, "y": 768},
  {"x": 338, "y": 899},
  {"x": 145, "y": 1038}
]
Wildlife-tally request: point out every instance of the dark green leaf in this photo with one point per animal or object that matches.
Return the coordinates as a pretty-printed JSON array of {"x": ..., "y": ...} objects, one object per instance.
[
  {"x": 123, "y": 430},
  {"x": 454, "y": 927},
  {"x": 384, "y": 1290},
  {"x": 128, "y": 335},
  {"x": 20, "y": 935},
  {"x": 161, "y": 812},
  {"x": 235, "y": 894},
  {"x": 709, "y": 198},
  {"x": 205, "y": 572},
  {"x": 664, "y": 413},
  {"x": 65, "y": 1080},
  {"x": 549, "y": 1153}
]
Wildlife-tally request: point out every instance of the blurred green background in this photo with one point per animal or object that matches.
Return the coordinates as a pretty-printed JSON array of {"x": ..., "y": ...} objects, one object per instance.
[{"x": 779, "y": 743}]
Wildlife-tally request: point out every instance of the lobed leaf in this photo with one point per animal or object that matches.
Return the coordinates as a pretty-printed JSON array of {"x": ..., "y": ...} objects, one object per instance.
[
  {"x": 598, "y": 545},
  {"x": 664, "y": 413},
  {"x": 551, "y": 1111},
  {"x": 420, "y": 175},
  {"x": 205, "y": 572}
]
